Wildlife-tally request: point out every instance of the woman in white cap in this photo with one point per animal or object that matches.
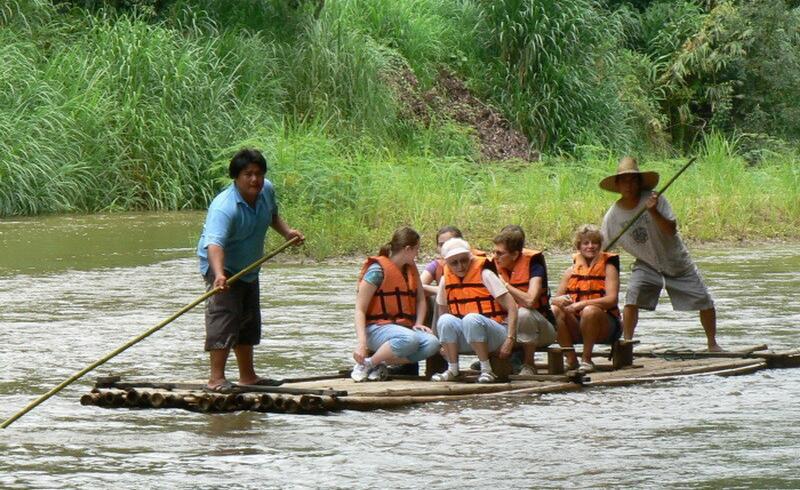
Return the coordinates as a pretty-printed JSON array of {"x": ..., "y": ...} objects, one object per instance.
[
  {"x": 661, "y": 256},
  {"x": 390, "y": 310},
  {"x": 477, "y": 312}
]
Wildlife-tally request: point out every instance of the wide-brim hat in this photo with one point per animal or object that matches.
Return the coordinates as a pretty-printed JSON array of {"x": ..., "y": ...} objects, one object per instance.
[{"x": 629, "y": 165}]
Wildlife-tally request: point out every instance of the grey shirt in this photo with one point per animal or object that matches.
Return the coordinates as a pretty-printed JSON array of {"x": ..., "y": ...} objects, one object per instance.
[{"x": 645, "y": 241}]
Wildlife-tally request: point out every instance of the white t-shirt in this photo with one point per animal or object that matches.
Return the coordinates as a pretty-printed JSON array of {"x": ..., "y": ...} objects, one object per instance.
[
  {"x": 645, "y": 240},
  {"x": 488, "y": 278}
]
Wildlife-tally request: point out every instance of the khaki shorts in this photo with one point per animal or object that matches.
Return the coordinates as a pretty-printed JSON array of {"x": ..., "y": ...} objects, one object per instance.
[
  {"x": 686, "y": 292},
  {"x": 532, "y": 326},
  {"x": 233, "y": 317}
]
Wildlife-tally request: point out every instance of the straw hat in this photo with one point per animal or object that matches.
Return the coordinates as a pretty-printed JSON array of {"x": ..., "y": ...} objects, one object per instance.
[
  {"x": 454, "y": 246},
  {"x": 628, "y": 165}
]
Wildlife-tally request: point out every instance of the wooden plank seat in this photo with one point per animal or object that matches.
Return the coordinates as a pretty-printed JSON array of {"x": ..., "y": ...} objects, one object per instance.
[{"x": 622, "y": 353}]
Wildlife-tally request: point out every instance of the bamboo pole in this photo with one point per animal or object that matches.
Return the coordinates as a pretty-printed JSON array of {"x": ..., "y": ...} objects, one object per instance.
[
  {"x": 143, "y": 336},
  {"x": 644, "y": 209}
]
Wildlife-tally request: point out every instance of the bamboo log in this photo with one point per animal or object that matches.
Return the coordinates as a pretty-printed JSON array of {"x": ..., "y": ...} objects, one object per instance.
[
  {"x": 238, "y": 388},
  {"x": 205, "y": 403},
  {"x": 132, "y": 398},
  {"x": 158, "y": 400},
  {"x": 309, "y": 403},
  {"x": 279, "y": 403},
  {"x": 266, "y": 403},
  {"x": 322, "y": 377},
  {"x": 441, "y": 389},
  {"x": 291, "y": 405},
  {"x": 330, "y": 402},
  {"x": 548, "y": 388},
  {"x": 379, "y": 402},
  {"x": 219, "y": 402},
  {"x": 90, "y": 399},
  {"x": 718, "y": 371}
]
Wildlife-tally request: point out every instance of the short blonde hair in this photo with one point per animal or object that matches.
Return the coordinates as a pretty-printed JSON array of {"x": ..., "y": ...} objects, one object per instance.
[{"x": 587, "y": 232}]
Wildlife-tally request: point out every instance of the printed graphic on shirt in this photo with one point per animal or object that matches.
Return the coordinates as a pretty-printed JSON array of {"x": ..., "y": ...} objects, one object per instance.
[{"x": 639, "y": 230}]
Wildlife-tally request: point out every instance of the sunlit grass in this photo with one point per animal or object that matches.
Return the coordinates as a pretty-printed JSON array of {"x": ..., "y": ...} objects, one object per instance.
[{"x": 101, "y": 111}]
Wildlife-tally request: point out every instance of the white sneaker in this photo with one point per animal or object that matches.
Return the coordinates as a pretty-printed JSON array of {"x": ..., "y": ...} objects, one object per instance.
[
  {"x": 378, "y": 373},
  {"x": 359, "y": 373},
  {"x": 586, "y": 367},
  {"x": 445, "y": 376},
  {"x": 527, "y": 370},
  {"x": 487, "y": 377}
]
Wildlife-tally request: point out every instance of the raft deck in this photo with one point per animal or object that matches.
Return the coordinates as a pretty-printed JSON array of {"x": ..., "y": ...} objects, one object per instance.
[{"x": 326, "y": 393}]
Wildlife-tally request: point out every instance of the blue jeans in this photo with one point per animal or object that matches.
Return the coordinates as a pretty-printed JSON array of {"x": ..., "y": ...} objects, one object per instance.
[
  {"x": 404, "y": 342},
  {"x": 472, "y": 328}
]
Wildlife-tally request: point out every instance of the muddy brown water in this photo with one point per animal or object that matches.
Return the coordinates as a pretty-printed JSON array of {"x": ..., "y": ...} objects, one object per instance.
[{"x": 74, "y": 288}]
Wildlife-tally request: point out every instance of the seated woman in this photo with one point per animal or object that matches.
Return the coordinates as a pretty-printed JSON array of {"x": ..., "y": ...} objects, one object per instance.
[
  {"x": 586, "y": 309},
  {"x": 390, "y": 308},
  {"x": 477, "y": 313},
  {"x": 434, "y": 270},
  {"x": 524, "y": 273}
]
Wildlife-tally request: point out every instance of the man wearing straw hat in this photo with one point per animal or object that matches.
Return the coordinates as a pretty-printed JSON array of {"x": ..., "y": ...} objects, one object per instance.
[
  {"x": 662, "y": 259},
  {"x": 233, "y": 237}
]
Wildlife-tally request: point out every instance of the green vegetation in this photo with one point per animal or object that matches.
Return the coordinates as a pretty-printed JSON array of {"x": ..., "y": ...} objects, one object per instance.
[
  {"x": 138, "y": 104},
  {"x": 351, "y": 205}
]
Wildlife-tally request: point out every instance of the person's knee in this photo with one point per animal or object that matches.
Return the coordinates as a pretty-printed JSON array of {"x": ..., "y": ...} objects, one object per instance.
[
  {"x": 429, "y": 346},
  {"x": 474, "y": 328},
  {"x": 448, "y": 327},
  {"x": 557, "y": 311},
  {"x": 404, "y": 345},
  {"x": 592, "y": 312}
]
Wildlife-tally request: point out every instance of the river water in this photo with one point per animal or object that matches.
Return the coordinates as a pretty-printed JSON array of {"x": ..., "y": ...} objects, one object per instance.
[{"x": 74, "y": 288}]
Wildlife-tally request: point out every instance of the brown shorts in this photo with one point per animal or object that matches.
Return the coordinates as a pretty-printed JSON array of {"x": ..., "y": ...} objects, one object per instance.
[{"x": 233, "y": 317}]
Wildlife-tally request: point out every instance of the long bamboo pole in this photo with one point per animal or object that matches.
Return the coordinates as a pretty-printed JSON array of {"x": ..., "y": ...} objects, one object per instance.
[
  {"x": 642, "y": 211},
  {"x": 143, "y": 336}
]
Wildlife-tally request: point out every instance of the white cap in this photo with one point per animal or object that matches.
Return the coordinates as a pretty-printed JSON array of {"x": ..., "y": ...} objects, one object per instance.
[{"x": 455, "y": 246}]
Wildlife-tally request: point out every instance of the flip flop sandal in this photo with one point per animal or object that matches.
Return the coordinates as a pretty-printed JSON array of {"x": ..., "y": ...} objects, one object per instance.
[
  {"x": 224, "y": 388},
  {"x": 266, "y": 382}
]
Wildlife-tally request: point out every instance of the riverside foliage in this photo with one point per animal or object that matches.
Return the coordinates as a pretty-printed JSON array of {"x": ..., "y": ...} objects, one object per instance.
[{"x": 138, "y": 104}]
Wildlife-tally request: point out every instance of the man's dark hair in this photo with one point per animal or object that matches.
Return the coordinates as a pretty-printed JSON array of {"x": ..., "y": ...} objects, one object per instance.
[{"x": 245, "y": 157}]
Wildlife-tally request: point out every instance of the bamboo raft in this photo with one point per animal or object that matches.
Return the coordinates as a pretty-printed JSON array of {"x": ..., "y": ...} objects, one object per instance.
[{"x": 326, "y": 393}]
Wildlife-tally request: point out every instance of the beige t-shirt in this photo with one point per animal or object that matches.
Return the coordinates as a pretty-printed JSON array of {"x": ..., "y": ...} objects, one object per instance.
[
  {"x": 488, "y": 278},
  {"x": 645, "y": 240}
]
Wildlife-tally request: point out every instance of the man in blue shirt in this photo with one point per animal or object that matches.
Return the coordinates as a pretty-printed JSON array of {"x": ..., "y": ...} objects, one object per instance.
[{"x": 233, "y": 238}]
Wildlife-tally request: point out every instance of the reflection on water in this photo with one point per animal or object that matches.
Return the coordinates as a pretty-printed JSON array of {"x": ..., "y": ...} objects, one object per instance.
[{"x": 717, "y": 432}]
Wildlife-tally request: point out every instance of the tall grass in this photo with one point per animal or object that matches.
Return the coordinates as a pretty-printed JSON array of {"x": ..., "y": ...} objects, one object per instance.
[
  {"x": 103, "y": 111},
  {"x": 351, "y": 202}
]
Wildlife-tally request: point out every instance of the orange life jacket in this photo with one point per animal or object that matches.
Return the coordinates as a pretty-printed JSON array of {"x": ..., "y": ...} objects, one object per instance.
[
  {"x": 520, "y": 277},
  {"x": 589, "y": 282},
  {"x": 440, "y": 264},
  {"x": 469, "y": 295},
  {"x": 395, "y": 300}
]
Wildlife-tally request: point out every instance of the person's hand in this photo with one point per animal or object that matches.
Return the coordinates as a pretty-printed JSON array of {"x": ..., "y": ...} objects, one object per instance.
[
  {"x": 221, "y": 282},
  {"x": 292, "y": 233},
  {"x": 652, "y": 201},
  {"x": 422, "y": 328},
  {"x": 506, "y": 348},
  {"x": 562, "y": 301},
  {"x": 575, "y": 308},
  {"x": 360, "y": 353}
]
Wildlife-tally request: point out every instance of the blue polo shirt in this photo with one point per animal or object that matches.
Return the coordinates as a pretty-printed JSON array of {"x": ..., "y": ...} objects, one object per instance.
[{"x": 238, "y": 228}]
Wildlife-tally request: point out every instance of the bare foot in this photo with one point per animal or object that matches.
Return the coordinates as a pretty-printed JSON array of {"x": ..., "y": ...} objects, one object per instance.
[{"x": 715, "y": 348}]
